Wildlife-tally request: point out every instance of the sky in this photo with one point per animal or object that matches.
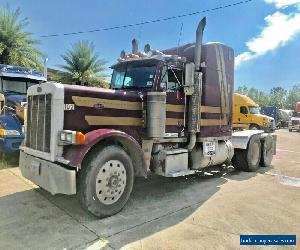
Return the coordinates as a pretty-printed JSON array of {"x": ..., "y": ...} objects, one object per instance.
[{"x": 265, "y": 34}]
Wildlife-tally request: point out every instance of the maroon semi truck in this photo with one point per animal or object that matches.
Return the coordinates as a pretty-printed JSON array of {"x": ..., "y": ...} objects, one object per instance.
[{"x": 167, "y": 112}]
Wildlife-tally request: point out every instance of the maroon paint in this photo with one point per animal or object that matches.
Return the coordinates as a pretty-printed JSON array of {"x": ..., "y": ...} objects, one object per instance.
[{"x": 75, "y": 154}]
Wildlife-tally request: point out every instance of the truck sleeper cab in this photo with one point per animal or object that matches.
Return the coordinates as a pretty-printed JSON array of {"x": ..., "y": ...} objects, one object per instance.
[{"x": 166, "y": 113}]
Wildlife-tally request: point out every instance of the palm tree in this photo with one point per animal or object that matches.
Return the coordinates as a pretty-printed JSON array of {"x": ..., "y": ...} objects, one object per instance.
[
  {"x": 82, "y": 64},
  {"x": 16, "y": 44}
]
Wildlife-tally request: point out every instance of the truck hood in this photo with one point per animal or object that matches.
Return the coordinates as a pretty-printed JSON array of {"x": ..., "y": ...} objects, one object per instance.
[
  {"x": 265, "y": 116},
  {"x": 94, "y": 108}
]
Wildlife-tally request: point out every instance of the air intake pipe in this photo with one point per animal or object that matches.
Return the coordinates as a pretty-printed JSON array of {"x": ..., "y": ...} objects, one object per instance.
[
  {"x": 195, "y": 99},
  {"x": 135, "y": 46}
]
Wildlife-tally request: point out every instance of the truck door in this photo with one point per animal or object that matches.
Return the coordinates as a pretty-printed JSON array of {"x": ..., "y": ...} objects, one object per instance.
[
  {"x": 244, "y": 116},
  {"x": 171, "y": 83}
]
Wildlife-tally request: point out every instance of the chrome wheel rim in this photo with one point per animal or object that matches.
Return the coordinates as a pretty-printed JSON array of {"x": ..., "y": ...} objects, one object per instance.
[{"x": 111, "y": 182}]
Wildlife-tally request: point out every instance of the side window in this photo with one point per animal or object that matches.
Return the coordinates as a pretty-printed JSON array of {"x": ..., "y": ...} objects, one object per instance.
[
  {"x": 164, "y": 78},
  {"x": 175, "y": 78},
  {"x": 243, "y": 110},
  {"x": 171, "y": 78}
]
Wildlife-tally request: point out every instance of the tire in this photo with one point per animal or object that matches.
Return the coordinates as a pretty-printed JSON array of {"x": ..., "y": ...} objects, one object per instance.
[
  {"x": 290, "y": 130},
  {"x": 267, "y": 151},
  {"x": 243, "y": 159},
  {"x": 106, "y": 181},
  {"x": 254, "y": 127}
]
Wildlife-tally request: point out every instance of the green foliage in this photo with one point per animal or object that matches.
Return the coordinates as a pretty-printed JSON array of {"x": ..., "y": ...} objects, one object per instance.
[
  {"x": 16, "y": 44},
  {"x": 82, "y": 65},
  {"x": 278, "y": 96}
]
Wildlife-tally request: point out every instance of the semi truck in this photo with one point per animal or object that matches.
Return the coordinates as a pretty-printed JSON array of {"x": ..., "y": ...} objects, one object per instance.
[
  {"x": 247, "y": 115},
  {"x": 294, "y": 123},
  {"x": 14, "y": 82},
  {"x": 168, "y": 112}
]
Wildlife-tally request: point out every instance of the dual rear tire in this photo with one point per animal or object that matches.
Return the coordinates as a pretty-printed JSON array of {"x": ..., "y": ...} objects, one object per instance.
[{"x": 257, "y": 154}]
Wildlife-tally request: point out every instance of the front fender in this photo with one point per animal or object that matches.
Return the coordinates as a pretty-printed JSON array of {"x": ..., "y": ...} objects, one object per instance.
[{"x": 75, "y": 154}]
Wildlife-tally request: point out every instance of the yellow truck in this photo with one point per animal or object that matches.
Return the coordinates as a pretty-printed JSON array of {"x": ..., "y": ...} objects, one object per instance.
[{"x": 246, "y": 115}]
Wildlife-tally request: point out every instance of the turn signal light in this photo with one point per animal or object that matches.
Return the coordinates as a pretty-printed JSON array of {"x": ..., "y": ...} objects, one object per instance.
[{"x": 80, "y": 137}]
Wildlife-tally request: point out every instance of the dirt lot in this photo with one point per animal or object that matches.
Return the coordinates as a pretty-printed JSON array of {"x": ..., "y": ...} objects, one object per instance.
[{"x": 198, "y": 212}]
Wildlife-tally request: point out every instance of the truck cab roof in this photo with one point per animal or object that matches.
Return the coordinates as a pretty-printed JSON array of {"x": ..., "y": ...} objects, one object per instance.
[{"x": 20, "y": 72}]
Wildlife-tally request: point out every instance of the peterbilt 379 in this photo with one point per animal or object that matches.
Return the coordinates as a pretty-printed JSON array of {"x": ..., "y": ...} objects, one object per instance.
[{"x": 167, "y": 112}]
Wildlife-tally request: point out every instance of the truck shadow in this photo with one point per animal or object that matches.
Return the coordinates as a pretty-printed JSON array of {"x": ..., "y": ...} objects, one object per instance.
[
  {"x": 156, "y": 203},
  {"x": 41, "y": 220}
]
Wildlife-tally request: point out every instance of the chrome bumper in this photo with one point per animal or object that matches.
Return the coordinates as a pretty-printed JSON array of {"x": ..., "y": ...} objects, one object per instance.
[{"x": 48, "y": 175}]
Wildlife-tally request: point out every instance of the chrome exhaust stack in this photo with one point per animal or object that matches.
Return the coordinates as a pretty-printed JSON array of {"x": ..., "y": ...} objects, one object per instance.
[{"x": 195, "y": 98}]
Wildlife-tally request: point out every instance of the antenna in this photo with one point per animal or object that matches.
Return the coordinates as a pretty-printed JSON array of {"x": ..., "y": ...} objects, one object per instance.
[{"x": 180, "y": 34}]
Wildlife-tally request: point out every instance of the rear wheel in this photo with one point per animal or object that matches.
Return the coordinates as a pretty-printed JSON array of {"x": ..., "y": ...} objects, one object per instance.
[
  {"x": 106, "y": 181},
  {"x": 267, "y": 148},
  {"x": 290, "y": 130},
  {"x": 248, "y": 160}
]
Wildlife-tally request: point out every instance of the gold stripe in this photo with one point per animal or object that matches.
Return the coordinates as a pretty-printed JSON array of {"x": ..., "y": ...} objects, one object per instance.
[
  {"x": 114, "y": 121},
  {"x": 213, "y": 122},
  {"x": 174, "y": 122},
  {"x": 111, "y": 104},
  {"x": 174, "y": 108},
  {"x": 213, "y": 110},
  {"x": 124, "y": 121},
  {"x": 132, "y": 121},
  {"x": 118, "y": 104}
]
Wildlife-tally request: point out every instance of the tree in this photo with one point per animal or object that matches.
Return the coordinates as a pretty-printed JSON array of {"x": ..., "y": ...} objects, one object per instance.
[
  {"x": 82, "y": 65},
  {"x": 16, "y": 44},
  {"x": 278, "y": 97},
  {"x": 293, "y": 96},
  {"x": 260, "y": 97}
]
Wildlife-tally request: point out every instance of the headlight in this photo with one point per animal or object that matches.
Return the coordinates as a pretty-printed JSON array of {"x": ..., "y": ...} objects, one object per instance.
[
  {"x": 71, "y": 137},
  {"x": 4, "y": 132}
]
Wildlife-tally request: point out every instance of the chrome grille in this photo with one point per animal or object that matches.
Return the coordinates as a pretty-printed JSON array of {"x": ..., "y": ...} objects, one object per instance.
[
  {"x": 38, "y": 130},
  {"x": 295, "y": 122}
]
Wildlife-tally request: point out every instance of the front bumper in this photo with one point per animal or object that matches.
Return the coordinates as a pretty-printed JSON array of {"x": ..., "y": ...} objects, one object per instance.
[
  {"x": 50, "y": 176},
  {"x": 10, "y": 145},
  {"x": 294, "y": 127}
]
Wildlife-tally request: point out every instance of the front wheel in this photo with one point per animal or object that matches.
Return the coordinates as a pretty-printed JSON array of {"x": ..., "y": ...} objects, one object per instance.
[{"x": 106, "y": 181}]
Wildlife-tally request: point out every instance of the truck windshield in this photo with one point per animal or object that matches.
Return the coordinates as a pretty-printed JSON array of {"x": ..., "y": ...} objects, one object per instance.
[
  {"x": 131, "y": 77},
  {"x": 16, "y": 86},
  {"x": 254, "y": 110}
]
